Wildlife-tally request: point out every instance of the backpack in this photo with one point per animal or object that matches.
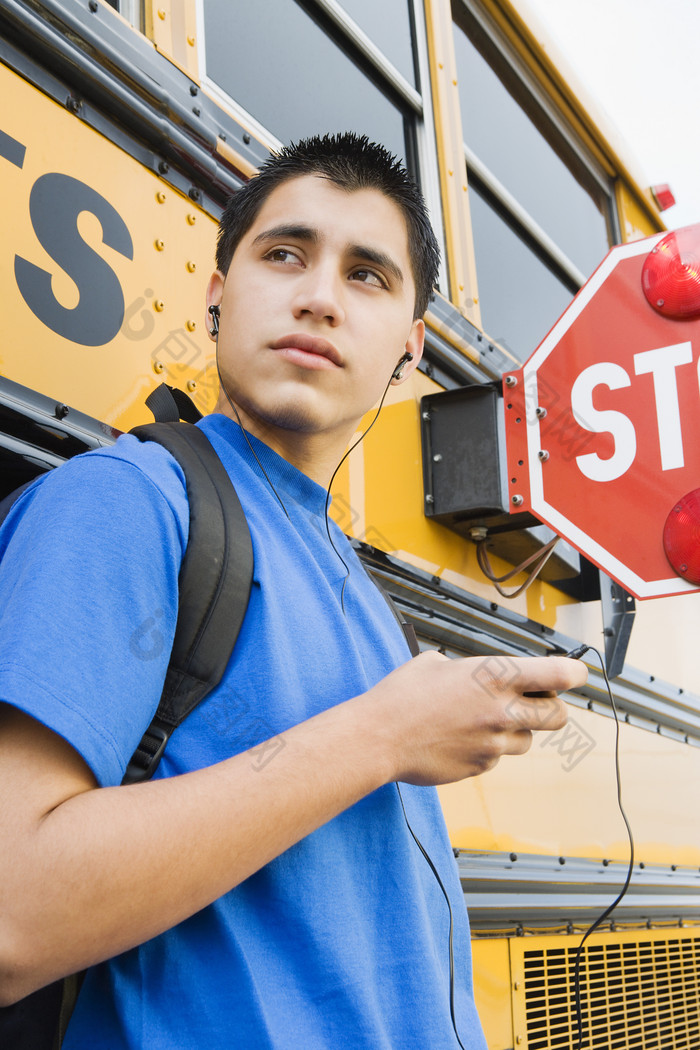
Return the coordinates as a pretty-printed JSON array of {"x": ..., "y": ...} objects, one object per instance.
[{"x": 214, "y": 587}]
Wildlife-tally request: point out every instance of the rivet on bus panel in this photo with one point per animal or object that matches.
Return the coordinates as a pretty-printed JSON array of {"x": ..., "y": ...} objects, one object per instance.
[
  {"x": 190, "y": 325},
  {"x": 161, "y": 14},
  {"x": 160, "y": 197},
  {"x": 191, "y": 266},
  {"x": 191, "y": 41},
  {"x": 159, "y": 245},
  {"x": 191, "y": 385},
  {"x": 191, "y": 218},
  {"x": 158, "y": 367},
  {"x": 158, "y": 305}
]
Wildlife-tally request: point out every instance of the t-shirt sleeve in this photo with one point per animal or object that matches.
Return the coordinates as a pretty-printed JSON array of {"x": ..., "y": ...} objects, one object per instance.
[{"x": 89, "y": 563}]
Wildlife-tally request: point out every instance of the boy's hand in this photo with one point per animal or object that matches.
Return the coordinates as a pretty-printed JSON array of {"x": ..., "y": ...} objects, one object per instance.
[{"x": 451, "y": 719}]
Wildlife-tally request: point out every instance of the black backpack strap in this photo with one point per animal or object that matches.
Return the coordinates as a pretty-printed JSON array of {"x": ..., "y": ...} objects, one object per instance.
[
  {"x": 214, "y": 587},
  {"x": 411, "y": 637},
  {"x": 169, "y": 405},
  {"x": 408, "y": 629},
  {"x": 70, "y": 989}
]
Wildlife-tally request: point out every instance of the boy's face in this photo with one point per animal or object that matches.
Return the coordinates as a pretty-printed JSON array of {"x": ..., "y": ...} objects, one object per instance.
[{"x": 316, "y": 311}]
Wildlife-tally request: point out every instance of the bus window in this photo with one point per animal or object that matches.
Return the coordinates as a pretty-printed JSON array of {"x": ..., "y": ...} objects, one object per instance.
[
  {"x": 546, "y": 192},
  {"x": 388, "y": 25},
  {"x": 248, "y": 56},
  {"x": 513, "y": 280}
]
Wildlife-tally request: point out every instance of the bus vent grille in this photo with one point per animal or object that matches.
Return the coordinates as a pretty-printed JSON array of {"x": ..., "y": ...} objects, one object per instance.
[{"x": 635, "y": 995}]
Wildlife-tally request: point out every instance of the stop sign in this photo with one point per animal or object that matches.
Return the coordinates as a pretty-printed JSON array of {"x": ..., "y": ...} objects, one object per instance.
[{"x": 603, "y": 420}]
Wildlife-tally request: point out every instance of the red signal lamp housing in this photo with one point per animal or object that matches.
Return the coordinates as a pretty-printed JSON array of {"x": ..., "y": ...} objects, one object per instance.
[
  {"x": 663, "y": 196},
  {"x": 682, "y": 537},
  {"x": 671, "y": 274}
]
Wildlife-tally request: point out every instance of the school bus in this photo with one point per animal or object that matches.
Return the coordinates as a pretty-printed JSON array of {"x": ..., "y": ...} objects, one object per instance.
[{"x": 126, "y": 125}]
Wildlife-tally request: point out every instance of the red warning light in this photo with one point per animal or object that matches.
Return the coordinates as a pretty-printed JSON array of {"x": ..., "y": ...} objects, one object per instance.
[
  {"x": 682, "y": 537},
  {"x": 671, "y": 274},
  {"x": 663, "y": 196}
]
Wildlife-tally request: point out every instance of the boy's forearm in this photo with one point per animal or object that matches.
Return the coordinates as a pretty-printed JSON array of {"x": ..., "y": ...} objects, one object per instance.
[{"x": 97, "y": 871}]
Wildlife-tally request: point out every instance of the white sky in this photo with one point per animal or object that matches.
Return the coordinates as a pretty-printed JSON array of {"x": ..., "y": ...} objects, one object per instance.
[{"x": 638, "y": 60}]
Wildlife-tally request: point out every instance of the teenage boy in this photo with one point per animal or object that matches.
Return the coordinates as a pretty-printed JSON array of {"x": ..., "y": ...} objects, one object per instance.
[{"x": 265, "y": 889}]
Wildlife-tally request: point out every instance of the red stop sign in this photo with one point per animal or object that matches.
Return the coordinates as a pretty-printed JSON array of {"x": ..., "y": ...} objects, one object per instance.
[{"x": 603, "y": 420}]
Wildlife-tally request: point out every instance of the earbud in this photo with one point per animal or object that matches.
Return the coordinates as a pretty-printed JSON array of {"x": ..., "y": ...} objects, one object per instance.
[
  {"x": 398, "y": 371},
  {"x": 215, "y": 313}
]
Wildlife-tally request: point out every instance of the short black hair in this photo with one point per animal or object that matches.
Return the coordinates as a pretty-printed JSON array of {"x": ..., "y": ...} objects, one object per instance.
[{"x": 352, "y": 162}]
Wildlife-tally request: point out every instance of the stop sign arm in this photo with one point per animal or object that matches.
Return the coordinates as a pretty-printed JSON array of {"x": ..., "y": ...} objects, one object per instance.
[{"x": 515, "y": 410}]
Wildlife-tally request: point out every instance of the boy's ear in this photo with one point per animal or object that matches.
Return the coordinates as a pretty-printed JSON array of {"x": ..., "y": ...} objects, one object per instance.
[
  {"x": 215, "y": 290},
  {"x": 414, "y": 347}
]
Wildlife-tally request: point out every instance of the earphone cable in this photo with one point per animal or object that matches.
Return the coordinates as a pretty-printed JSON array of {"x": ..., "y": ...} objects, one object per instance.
[
  {"x": 609, "y": 910},
  {"x": 330, "y": 486},
  {"x": 434, "y": 870}
]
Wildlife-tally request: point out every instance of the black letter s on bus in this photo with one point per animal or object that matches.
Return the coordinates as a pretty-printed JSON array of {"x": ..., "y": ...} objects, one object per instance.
[{"x": 55, "y": 203}]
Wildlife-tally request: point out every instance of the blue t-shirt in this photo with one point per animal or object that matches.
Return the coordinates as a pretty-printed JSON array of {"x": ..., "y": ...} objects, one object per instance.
[{"x": 342, "y": 941}]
